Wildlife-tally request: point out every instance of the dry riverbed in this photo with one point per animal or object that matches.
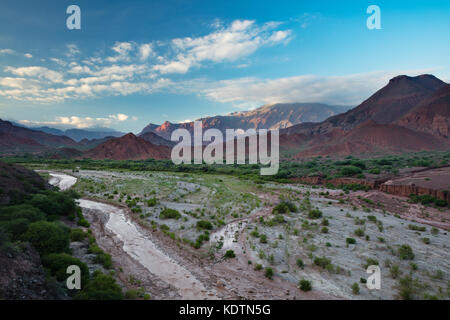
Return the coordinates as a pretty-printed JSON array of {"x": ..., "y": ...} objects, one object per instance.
[{"x": 165, "y": 256}]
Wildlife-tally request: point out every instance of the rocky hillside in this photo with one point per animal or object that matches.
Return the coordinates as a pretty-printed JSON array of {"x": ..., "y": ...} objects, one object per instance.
[
  {"x": 432, "y": 115},
  {"x": 408, "y": 114},
  {"x": 14, "y": 139},
  {"x": 280, "y": 115},
  {"x": 389, "y": 104},
  {"x": 128, "y": 147}
]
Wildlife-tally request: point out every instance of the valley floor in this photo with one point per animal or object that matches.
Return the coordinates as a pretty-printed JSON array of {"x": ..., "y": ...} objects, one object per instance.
[{"x": 181, "y": 254}]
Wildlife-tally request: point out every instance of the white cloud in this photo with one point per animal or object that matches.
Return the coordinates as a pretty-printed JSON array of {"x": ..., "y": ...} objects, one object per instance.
[
  {"x": 340, "y": 90},
  {"x": 122, "y": 50},
  {"x": 72, "y": 50},
  {"x": 6, "y": 51},
  {"x": 130, "y": 70},
  {"x": 145, "y": 51},
  {"x": 240, "y": 39},
  {"x": 28, "y": 55},
  {"x": 36, "y": 71},
  {"x": 79, "y": 122}
]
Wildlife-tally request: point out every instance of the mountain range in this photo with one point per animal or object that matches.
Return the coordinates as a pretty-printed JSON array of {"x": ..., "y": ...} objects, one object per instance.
[
  {"x": 273, "y": 116},
  {"x": 408, "y": 114},
  {"x": 80, "y": 134}
]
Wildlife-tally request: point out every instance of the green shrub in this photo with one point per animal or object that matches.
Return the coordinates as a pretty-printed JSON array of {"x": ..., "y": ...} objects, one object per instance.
[
  {"x": 371, "y": 262},
  {"x": 355, "y": 288},
  {"x": 25, "y": 211},
  {"x": 168, "y": 213},
  {"x": 322, "y": 262},
  {"x": 263, "y": 238},
  {"x": 152, "y": 202},
  {"x": 405, "y": 252},
  {"x": 305, "y": 285},
  {"x": 395, "y": 271},
  {"x": 229, "y": 254},
  {"x": 104, "y": 259},
  {"x": 269, "y": 273},
  {"x": 57, "y": 264},
  {"x": 77, "y": 235},
  {"x": 406, "y": 288},
  {"x": 47, "y": 237},
  {"x": 281, "y": 208},
  {"x": 203, "y": 224},
  {"x": 359, "y": 232},
  {"x": 258, "y": 266},
  {"x": 300, "y": 263},
  {"x": 314, "y": 214},
  {"x": 416, "y": 228},
  {"x": 350, "y": 241},
  {"x": 350, "y": 170},
  {"x": 101, "y": 287},
  {"x": 15, "y": 228}
]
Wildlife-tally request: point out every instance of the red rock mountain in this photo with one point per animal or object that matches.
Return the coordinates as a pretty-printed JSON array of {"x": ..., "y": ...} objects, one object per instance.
[
  {"x": 408, "y": 114},
  {"x": 373, "y": 138},
  {"x": 280, "y": 115},
  {"x": 389, "y": 104},
  {"x": 432, "y": 115},
  {"x": 128, "y": 147},
  {"x": 17, "y": 139},
  {"x": 156, "y": 139}
]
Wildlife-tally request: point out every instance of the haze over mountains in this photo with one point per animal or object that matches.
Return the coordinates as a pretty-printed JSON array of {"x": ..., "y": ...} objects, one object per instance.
[
  {"x": 80, "y": 134},
  {"x": 408, "y": 114}
]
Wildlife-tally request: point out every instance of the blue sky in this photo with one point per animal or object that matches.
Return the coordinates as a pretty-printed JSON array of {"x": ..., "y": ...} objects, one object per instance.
[{"x": 135, "y": 62}]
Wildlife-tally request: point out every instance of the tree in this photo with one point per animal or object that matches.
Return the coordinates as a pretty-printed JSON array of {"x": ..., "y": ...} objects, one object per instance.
[
  {"x": 47, "y": 237},
  {"x": 101, "y": 287},
  {"x": 57, "y": 263}
]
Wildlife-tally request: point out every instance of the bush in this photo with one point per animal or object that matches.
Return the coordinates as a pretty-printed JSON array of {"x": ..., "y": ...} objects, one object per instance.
[
  {"x": 263, "y": 238},
  {"x": 281, "y": 208},
  {"x": 416, "y": 228},
  {"x": 324, "y": 230},
  {"x": 102, "y": 287},
  {"x": 55, "y": 204},
  {"x": 152, "y": 202},
  {"x": 300, "y": 263},
  {"x": 15, "y": 228},
  {"x": 359, "y": 232},
  {"x": 258, "y": 266},
  {"x": 406, "y": 288},
  {"x": 77, "y": 235},
  {"x": 305, "y": 285},
  {"x": 25, "y": 211},
  {"x": 355, "y": 288},
  {"x": 168, "y": 213},
  {"x": 405, "y": 252},
  {"x": 322, "y": 262},
  {"x": 104, "y": 259},
  {"x": 371, "y": 262},
  {"x": 269, "y": 273},
  {"x": 47, "y": 237},
  {"x": 395, "y": 271},
  {"x": 315, "y": 214},
  {"x": 350, "y": 241},
  {"x": 57, "y": 264},
  {"x": 203, "y": 224},
  {"x": 350, "y": 170},
  {"x": 229, "y": 254}
]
